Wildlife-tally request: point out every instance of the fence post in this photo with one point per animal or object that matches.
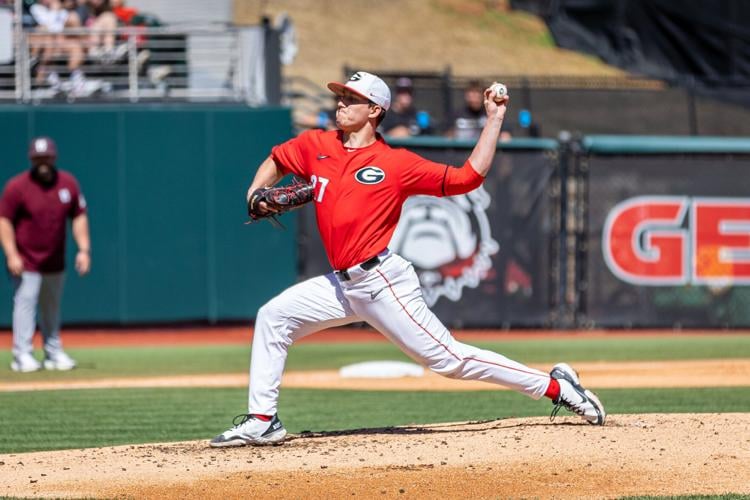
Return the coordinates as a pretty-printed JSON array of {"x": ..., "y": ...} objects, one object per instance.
[
  {"x": 447, "y": 85},
  {"x": 578, "y": 251},
  {"x": 562, "y": 310},
  {"x": 26, "y": 68},
  {"x": 272, "y": 60},
  {"x": 132, "y": 68},
  {"x": 18, "y": 36}
]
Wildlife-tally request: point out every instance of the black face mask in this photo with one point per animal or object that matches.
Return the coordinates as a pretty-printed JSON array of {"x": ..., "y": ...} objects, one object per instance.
[{"x": 46, "y": 180}]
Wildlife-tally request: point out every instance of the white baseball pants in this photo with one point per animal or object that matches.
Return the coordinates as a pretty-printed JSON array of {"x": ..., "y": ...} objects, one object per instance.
[
  {"x": 45, "y": 292},
  {"x": 389, "y": 298}
]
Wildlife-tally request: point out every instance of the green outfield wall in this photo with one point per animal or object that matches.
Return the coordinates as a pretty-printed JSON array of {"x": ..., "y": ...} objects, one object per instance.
[
  {"x": 165, "y": 185},
  {"x": 602, "y": 231}
]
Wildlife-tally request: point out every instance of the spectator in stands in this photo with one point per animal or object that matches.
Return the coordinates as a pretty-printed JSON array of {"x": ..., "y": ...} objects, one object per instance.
[
  {"x": 124, "y": 13},
  {"x": 52, "y": 17},
  {"x": 26, "y": 18},
  {"x": 34, "y": 209},
  {"x": 403, "y": 119},
  {"x": 82, "y": 9},
  {"x": 468, "y": 122},
  {"x": 103, "y": 23}
]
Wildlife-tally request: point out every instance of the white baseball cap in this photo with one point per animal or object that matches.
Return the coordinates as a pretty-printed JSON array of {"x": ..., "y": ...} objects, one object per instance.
[{"x": 365, "y": 85}]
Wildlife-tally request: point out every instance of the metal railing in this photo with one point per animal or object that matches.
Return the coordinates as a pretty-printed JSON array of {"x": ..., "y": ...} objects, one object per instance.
[{"x": 221, "y": 63}]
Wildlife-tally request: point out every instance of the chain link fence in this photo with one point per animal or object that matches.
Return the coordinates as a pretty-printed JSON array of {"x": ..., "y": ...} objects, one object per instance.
[{"x": 546, "y": 106}]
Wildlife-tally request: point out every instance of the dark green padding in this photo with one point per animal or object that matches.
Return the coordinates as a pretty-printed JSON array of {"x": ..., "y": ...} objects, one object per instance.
[
  {"x": 165, "y": 186},
  {"x": 641, "y": 144}
]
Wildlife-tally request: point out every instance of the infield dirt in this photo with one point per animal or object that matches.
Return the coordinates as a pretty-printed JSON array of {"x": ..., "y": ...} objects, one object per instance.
[{"x": 632, "y": 454}]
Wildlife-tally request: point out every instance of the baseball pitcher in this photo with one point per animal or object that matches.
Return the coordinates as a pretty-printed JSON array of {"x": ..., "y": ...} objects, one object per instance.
[{"x": 359, "y": 186}]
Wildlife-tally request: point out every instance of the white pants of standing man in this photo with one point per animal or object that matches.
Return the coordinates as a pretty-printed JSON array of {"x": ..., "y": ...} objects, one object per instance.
[
  {"x": 45, "y": 291},
  {"x": 389, "y": 298}
]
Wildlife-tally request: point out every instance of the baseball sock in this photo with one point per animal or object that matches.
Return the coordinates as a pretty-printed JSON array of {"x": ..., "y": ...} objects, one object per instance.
[
  {"x": 264, "y": 418},
  {"x": 553, "y": 390}
]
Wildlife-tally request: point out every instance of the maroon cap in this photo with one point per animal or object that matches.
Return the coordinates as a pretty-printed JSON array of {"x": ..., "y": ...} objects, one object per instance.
[{"x": 42, "y": 147}]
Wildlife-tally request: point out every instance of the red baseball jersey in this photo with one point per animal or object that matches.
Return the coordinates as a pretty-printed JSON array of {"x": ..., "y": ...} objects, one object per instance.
[
  {"x": 359, "y": 192},
  {"x": 39, "y": 216}
]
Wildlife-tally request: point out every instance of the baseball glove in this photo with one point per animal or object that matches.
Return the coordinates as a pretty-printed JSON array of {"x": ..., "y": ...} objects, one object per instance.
[{"x": 278, "y": 200}]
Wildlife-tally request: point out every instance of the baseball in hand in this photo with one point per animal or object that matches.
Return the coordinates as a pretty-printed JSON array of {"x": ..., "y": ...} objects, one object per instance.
[{"x": 500, "y": 91}]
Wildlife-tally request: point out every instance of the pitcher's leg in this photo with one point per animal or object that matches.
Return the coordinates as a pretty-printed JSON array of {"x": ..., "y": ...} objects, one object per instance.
[
  {"x": 301, "y": 310},
  {"x": 50, "y": 296},
  {"x": 25, "y": 300},
  {"x": 401, "y": 314}
]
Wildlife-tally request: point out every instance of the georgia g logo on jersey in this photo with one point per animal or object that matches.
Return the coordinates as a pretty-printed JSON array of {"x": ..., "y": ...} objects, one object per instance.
[{"x": 370, "y": 175}]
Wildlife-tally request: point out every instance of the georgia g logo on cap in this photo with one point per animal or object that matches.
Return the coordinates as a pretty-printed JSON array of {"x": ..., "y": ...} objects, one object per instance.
[{"x": 370, "y": 175}]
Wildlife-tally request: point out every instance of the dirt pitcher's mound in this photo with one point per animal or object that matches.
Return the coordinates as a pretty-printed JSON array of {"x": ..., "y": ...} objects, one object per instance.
[{"x": 632, "y": 454}]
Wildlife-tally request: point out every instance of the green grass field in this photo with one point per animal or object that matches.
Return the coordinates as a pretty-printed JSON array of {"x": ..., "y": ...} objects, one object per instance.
[
  {"x": 99, "y": 417},
  {"x": 150, "y": 361},
  {"x": 103, "y": 417}
]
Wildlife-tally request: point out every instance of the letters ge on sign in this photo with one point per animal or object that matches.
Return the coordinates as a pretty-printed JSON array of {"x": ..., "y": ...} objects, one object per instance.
[{"x": 676, "y": 240}]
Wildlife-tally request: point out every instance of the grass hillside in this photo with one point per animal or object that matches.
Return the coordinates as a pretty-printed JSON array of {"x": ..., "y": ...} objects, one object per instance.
[{"x": 474, "y": 37}]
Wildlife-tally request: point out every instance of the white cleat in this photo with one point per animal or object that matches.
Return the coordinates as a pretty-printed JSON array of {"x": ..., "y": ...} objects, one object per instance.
[
  {"x": 60, "y": 362},
  {"x": 574, "y": 397},
  {"x": 251, "y": 430},
  {"x": 25, "y": 363}
]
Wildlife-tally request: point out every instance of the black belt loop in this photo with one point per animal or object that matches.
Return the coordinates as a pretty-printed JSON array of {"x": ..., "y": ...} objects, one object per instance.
[
  {"x": 370, "y": 263},
  {"x": 366, "y": 265}
]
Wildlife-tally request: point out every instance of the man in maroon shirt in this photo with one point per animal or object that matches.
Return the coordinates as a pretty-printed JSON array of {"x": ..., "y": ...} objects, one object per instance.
[{"x": 34, "y": 209}]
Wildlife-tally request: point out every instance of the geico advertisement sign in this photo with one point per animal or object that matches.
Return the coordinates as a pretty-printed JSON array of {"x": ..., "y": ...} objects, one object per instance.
[{"x": 676, "y": 240}]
